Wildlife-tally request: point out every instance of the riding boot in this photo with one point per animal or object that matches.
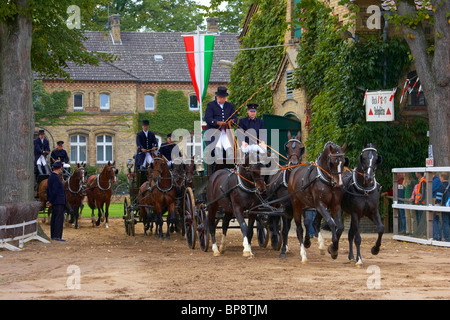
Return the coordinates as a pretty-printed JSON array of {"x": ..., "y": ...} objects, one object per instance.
[{"x": 40, "y": 169}]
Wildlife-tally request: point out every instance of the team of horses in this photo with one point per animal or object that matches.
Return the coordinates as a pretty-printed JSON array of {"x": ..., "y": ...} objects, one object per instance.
[
  {"x": 97, "y": 188},
  {"x": 326, "y": 185}
]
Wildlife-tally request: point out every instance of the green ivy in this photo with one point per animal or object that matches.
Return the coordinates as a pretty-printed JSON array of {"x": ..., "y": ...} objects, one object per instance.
[
  {"x": 335, "y": 73},
  {"x": 172, "y": 112},
  {"x": 253, "y": 69}
]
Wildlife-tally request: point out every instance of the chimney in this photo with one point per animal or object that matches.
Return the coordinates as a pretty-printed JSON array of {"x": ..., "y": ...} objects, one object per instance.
[
  {"x": 114, "y": 24},
  {"x": 212, "y": 25}
]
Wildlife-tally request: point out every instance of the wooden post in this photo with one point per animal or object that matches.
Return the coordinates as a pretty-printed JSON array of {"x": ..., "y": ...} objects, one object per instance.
[{"x": 429, "y": 202}]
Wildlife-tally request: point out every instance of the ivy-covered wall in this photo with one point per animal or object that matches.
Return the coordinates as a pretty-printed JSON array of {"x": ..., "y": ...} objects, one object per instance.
[
  {"x": 335, "y": 73},
  {"x": 255, "y": 68},
  {"x": 172, "y": 112}
]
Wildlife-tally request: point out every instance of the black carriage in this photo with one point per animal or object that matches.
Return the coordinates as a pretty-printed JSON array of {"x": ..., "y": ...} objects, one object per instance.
[
  {"x": 195, "y": 209},
  {"x": 131, "y": 206}
]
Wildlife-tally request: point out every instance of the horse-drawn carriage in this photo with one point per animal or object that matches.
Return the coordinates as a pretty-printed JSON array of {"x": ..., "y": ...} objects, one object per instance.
[{"x": 238, "y": 189}]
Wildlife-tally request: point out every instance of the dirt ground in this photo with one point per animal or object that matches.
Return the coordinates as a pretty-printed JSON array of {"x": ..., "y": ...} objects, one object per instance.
[{"x": 100, "y": 263}]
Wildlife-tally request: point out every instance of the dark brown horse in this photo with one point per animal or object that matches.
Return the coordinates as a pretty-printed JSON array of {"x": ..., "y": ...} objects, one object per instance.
[
  {"x": 361, "y": 198},
  {"x": 99, "y": 191},
  {"x": 277, "y": 188},
  {"x": 159, "y": 193},
  {"x": 320, "y": 186},
  {"x": 234, "y": 191},
  {"x": 75, "y": 192}
]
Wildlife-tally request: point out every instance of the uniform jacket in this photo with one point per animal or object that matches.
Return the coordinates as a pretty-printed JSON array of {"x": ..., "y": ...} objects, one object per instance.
[
  {"x": 144, "y": 142},
  {"x": 39, "y": 148},
  {"x": 215, "y": 113},
  {"x": 166, "y": 150},
  {"x": 62, "y": 154},
  {"x": 55, "y": 190},
  {"x": 256, "y": 124}
]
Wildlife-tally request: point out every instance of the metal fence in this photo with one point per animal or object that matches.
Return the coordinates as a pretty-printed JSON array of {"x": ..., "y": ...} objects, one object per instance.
[{"x": 426, "y": 224}]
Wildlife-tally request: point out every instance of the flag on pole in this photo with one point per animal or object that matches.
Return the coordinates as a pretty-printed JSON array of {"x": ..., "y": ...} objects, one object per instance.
[{"x": 199, "y": 54}]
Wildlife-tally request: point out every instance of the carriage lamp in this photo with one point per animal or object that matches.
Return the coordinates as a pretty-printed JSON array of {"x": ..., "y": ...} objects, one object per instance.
[{"x": 130, "y": 164}]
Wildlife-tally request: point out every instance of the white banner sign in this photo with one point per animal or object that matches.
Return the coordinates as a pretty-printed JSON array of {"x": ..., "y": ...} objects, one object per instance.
[{"x": 379, "y": 106}]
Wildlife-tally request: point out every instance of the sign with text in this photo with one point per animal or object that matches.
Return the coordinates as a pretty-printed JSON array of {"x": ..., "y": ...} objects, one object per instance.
[{"x": 379, "y": 106}]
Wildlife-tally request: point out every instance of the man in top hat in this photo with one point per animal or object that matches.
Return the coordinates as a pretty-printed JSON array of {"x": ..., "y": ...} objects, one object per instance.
[
  {"x": 41, "y": 150},
  {"x": 253, "y": 140},
  {"x": 145, "y": 141},
  {"x": 56, "y": 198},
  {"x": 219, "y": 115},
  {"x": 169, "y": 148}
]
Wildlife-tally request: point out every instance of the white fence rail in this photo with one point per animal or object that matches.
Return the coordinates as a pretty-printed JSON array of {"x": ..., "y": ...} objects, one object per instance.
[{"x": 429, "y": 208}]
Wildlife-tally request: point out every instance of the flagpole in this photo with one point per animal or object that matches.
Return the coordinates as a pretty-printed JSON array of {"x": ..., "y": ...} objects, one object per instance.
[{"x": 200, "y": 97}]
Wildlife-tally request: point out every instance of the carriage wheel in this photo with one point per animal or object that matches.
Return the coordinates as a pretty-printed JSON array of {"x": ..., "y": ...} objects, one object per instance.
[
  {"x": 189, "y": 221},
  {"x": 279, "y": 237},
  {"x": 262, "y": 231},
  {"x": 128, "y": 216},
  {"x": 203, "y": 235}
]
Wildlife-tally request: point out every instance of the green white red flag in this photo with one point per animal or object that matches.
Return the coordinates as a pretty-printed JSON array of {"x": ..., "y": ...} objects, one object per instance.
[{"x": 199, "y": 54}]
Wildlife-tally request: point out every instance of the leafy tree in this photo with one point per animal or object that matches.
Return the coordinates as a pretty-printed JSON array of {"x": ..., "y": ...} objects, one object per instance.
[
  {"x": 232, "y": 17},
  {"x": 33, "y": 36},
  {"x": 151, "y": 15}
]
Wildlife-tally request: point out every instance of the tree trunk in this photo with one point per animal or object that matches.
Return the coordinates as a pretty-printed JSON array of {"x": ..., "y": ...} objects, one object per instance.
[
  {"x": 16, "y": 113},
  {"x": 434, "y": 73}
]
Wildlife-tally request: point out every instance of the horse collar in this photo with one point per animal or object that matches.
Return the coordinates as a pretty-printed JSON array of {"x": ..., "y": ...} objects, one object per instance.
[
  {"x": 100, "y": 187},
  {"x": 363, "y": 189},
  {"x": 242, "y": 185},
  {"x": 322, "y": 177}
]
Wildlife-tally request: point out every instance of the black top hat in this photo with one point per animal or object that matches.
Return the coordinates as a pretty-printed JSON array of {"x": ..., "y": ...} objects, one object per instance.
[
  {"x": 57, "y": 164},
  {"x": 145, "y": 122},
  {"x": 41, "y": 131},
  {"x": 60, "y": 143},
  {"x": 221, "y": 92},
  {"x": 252, "y": 106},
  {"x": 169, "y": 135}
]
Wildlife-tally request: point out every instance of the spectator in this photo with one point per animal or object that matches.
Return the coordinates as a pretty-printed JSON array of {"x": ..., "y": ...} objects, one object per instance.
[
  {"x": 443, "y": 198},
  {"x": 410, "y": 218}
]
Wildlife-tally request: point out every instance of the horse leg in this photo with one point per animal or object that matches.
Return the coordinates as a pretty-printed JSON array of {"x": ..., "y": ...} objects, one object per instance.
[
  {"x": 320, "y": 240},
  {"x": 225, "y": 223},
  {"x": 351, "y": 237},
  {"x": 247, "y": 252},
  {"x": 298, "y": 223},
  {"x": 76, "y": 213},
  {"x": 380, "y": 230},
  {"x": 211, "y": 227},
  {"x": 159, "y": 226},
  {"x": 251, "y": 223},
  {"x": 333, "y": 247},
  {"x": 285, "y": 232},
  {"x": 107, "y": 214},
  {"x": 306, "y": 223}
]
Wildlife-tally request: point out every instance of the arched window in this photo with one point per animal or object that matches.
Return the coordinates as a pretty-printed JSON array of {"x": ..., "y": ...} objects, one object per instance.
[
  {"x": 104, "y": 101},
  {"x": 149, "y": 101}
]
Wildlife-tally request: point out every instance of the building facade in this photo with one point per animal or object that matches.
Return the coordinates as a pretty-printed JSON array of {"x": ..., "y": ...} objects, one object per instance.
[{"x": 110, "y": 97}]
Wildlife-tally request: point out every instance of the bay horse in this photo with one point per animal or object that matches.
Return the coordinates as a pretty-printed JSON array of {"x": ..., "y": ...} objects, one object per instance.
[
  {"x": 234, "y": 191},
  {"x": 159, "y": 193},
  {"x": 99, "y": 191},
  {"x": 320, "y": 186},
  {"x": 361, "y": 198},
  {"x": 277, "y": 188},
  {"x": 75, "y": 192}
]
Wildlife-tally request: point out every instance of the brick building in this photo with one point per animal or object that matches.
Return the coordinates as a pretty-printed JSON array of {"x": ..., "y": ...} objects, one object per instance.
[{"x": 113, "y": 93}]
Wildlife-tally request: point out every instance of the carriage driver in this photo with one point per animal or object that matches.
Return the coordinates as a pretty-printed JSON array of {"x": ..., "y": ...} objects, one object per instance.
[
  {"x": 219, "y": 115},
  {"x": 254, "y": 140},
  {"x": 59, "y": 154},
  {"x": 41, "y": 150},
  {"x": 145, "y": 141},
  {"x": 169, "y": 148}
]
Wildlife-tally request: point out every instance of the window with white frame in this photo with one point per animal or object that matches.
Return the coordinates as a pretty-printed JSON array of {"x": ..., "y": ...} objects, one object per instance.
[
  {"x": 149, "y": 101},
  {"x": 78, "y": 101},
  {"x": 194, "y": 146},
  {"x": 104, "y": 101},
  {"x": 193, "y": 102},
  {"x": 104, "y": 148},
  {"x": 78, "y": 148}
]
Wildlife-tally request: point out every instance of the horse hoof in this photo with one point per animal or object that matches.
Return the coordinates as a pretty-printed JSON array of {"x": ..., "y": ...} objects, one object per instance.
[
  {"x": 375, "y": 250},
  {"x": 304, "y": 261},
  {"x": 307, "y": 243},
  {"x": 247, "y": 254},
  {"x": 107, "y": 226},
  {"x": 332, "y": 252},
  {"x": 282, "y": 255},
  {"x": 222, "y": 249},
  {"x": 217, "y": 254},
  {"x": 322, "y": 252}
]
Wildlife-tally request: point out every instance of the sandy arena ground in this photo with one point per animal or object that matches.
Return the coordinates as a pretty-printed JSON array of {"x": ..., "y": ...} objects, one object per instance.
[{"x": 108, "y": 264}]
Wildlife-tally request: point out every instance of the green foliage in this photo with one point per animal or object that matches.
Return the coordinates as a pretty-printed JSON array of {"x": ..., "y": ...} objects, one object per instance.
[
  {"x": 172, "y": 112},
  {"x": 335, "y": 73},
  {"x": 151, "y": 15},
  {"x": 253, "y": 69}
]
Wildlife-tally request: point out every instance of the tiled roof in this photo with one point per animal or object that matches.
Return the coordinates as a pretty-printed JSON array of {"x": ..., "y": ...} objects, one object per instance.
[{"x": 136, "y": 57}]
